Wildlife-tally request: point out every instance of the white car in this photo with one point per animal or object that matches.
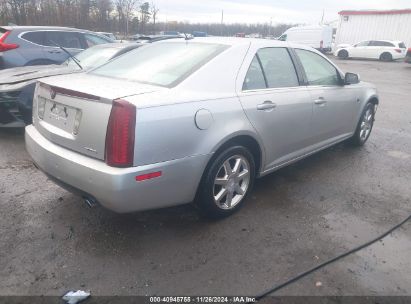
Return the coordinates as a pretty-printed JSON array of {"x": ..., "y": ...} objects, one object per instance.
[{"x": 373, "y": 49}]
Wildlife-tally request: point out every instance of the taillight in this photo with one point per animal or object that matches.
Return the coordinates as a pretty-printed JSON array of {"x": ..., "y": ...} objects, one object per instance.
[
  {"x": 321, "y": 44},
  {"x": 6, "y": 46},
  {"x": 398, "y": 50},
  {"x": 120, "y": 134}
]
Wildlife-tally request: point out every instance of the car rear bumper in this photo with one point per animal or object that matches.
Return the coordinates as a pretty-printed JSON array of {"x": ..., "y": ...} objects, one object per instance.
[{"x": 117, "y": 188}]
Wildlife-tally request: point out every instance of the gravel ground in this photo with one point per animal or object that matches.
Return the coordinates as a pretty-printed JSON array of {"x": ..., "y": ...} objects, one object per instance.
[{"x": 296, "y": 218}]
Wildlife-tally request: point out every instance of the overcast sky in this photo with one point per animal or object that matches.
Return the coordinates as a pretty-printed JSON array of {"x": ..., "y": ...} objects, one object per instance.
[{"x": 281, "y": 11}]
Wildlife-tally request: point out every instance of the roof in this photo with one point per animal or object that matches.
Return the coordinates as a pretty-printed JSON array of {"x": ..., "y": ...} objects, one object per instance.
[
  {"x": 23, "y": 27},
  {"x": 375, "y": 12}
]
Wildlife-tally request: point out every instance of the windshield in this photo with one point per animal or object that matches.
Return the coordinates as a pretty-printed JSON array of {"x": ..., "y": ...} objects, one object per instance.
[
  {"x": 163, "y": 64},
  {"x": 92, "y": 57}
]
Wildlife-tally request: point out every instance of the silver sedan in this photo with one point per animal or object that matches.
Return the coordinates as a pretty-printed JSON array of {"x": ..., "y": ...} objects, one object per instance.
[{"x": 193, "y": 121}]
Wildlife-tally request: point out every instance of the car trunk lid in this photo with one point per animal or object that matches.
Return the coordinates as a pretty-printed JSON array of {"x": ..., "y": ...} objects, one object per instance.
[{"x": 73, "y": 112}]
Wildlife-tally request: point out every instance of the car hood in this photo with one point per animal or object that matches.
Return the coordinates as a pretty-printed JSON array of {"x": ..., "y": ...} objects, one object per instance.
[{"x": 22, "y": 74}]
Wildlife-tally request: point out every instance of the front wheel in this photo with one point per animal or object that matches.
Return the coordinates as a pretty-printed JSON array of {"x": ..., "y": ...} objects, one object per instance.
[
  {"x": 226, "y": 183},
  {"x": 365, "y": 125},
  {"x": 343, "y": 54}
]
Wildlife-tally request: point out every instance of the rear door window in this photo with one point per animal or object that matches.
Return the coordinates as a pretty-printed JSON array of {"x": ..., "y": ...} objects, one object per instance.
[
  {"x": 34, "y": 37},
  {"x": 69, "y": 40},
  {"x": 278, "y": 68},
  {"x": 254, "y": 80}
]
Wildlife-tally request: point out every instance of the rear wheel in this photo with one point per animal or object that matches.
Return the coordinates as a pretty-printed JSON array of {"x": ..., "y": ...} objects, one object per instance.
[
  {"x": 343, "y": 54},
  {"x": 364, "y": 126},
  {"x": 386, "y": 57},
  {"x": 226, "y": 183}
]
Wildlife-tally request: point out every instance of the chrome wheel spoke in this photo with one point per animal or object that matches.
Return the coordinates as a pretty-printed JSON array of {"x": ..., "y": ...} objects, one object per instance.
[
  {"x": 222, "y": 181},
  {"x": 237, "y": 166},
  {"x": 229, "y": 199},
  {"x": 244, "y": 174},
  {"x": 220, "y": 195}
]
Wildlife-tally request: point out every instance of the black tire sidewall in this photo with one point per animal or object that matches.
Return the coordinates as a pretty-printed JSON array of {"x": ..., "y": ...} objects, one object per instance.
[
  {"x": 343, "y": 54},
  {"x": 205, "y": 199},
  {"x": 386, "y": 57}
]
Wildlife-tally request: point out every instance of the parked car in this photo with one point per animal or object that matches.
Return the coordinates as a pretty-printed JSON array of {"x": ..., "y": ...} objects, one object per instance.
[
  {"x": 180, "y": 121},
  {"x": 17, "y": 84},
  {"x": 319, "y": 37},
  {"x": 408, "y": 57},
  {"x": 373, "y": 49},
  {"x": 36, "y": 45}
]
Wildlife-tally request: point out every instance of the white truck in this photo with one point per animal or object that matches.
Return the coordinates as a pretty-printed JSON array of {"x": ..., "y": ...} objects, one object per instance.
[{"x": 319, "y": 37}]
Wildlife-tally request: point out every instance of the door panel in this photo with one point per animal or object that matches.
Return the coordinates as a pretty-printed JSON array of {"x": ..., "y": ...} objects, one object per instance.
[
  {"x": 335, "y": 105},
  {"x": 284, "y": 128},
  {"x": 276, "y": 105}
]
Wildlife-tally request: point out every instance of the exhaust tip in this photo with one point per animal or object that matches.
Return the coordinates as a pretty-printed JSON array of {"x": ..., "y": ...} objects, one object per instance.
[{"x": 90, "y": 202}]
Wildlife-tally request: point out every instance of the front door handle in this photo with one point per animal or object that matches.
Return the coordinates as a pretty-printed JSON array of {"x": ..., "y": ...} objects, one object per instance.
[
  {"x": 266, "y": 106},
  {"x": 320, "y": 101},
  {"x": 54, "y": 52}
]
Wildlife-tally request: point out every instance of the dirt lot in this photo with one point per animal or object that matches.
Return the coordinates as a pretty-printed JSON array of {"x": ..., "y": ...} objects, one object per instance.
[{"x": 50, "y": 241}]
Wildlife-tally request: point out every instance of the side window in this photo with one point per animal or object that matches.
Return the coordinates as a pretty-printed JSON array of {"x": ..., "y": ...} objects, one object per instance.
[
  {"x": 283, "y": 37},
  {"x": 317, "y": 69},
  {"x": 92, "y": 40},
  {"x": 34, "y": 37},
  {"x": 278, "y": 68},
  {"x": 254, "y": 80},
  {"x": 364, "y": 43},
  {"x": 70, "y": 40}
]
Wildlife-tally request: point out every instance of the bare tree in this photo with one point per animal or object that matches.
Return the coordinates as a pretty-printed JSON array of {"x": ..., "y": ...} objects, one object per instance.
[{"x": 154, "y": 11}]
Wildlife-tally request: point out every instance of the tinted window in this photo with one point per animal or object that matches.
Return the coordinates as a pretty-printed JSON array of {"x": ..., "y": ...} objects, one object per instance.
[
  {"x": 93, "y": 40},
  {"x": 402, "y": 45},
  {"x": 278, "y": 68},
  {"x": 364, "y": 43},
  {"x": 317, "y": 69},
  {"x": 254, "y": 80},
  {"x": 93, "y": 57},
  {"x": 381, "y": 43},
  {"x": 163, "y": 64},
  {"x": 69, "y": 40},
  {"x": 35, "y": 37}
]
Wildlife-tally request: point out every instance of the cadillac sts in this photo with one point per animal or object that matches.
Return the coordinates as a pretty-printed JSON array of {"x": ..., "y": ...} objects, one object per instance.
[{"x": 196, "y": 120}]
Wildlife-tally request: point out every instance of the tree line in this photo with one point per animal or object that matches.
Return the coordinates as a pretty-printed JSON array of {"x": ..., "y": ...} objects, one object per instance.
[{"x": 124, "y": 17}]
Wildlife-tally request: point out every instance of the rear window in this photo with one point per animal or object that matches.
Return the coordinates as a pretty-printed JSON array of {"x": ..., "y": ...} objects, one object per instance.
[
  {"x": 34, "y": 37},
  {"x": 163, "y": 64}
]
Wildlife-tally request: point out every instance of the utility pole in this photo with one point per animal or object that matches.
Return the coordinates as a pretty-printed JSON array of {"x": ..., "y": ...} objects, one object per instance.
[{"x": 222, "y": 21}]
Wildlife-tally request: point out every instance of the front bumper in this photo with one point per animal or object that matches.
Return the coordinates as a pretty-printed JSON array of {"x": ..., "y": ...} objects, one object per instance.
[{"x": 116, "y": 188}]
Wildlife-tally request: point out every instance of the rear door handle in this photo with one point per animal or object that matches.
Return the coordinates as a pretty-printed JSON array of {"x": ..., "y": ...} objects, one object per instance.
[
  {"x": 320, "y": 101},
  {"x": 54, "y": 52},
  {"x": 266, "y": 106}
]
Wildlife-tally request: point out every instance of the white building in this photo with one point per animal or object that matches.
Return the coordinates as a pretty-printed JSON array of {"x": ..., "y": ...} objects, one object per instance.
[{"x": 356, "y": 26}]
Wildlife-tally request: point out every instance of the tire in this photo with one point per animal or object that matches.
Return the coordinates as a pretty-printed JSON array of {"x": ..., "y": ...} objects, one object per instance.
[
  {"x": 343, "y": 54},
  {"x": 365, "y": 125},
  {"x": 218, "y": 185},
  {"x": 386, "y": 57}
]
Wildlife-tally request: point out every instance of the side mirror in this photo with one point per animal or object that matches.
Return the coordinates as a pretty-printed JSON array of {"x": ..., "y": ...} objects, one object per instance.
[{"x": 351, "y": 78}]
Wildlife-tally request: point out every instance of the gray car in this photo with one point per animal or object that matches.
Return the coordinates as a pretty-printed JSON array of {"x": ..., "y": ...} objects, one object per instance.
[
  {"x": 36, "y": 45},
  {"x": 199, "y": 120}
]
